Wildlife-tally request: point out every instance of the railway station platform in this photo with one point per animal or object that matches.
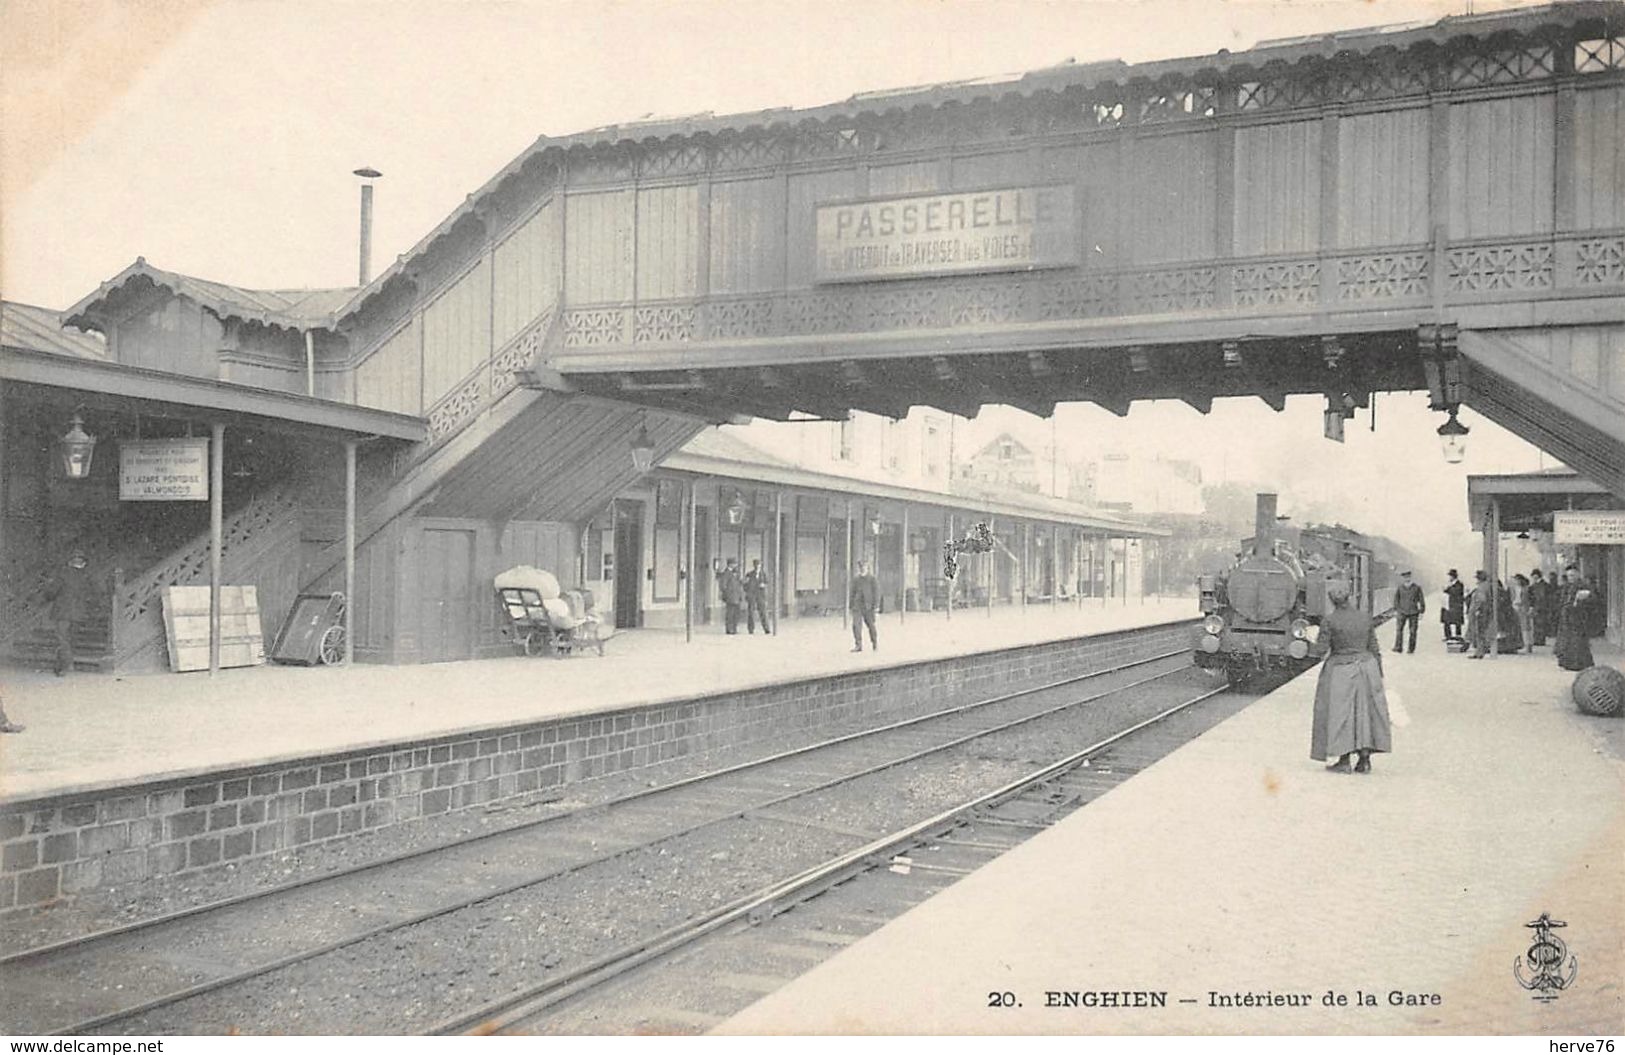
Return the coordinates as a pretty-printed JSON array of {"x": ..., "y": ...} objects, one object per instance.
[
  {"x": 91, "y": 731},
  {"x": 1230, "y": 887}
]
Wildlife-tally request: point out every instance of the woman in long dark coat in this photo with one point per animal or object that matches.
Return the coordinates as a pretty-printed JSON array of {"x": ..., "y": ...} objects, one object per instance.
[
  {"x": 1506, "y": 614},
  {"x": 1574, "y": 623},
  {"x": 1351, "y": 710}
]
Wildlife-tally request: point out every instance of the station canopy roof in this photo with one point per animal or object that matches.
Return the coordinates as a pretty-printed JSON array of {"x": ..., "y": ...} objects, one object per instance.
[
  {"x": 718, "y": 454},
  {"x": 51, "y": 364},
  {"x": 41, "y": 329},
  {"x": 1528, "y": 500}
]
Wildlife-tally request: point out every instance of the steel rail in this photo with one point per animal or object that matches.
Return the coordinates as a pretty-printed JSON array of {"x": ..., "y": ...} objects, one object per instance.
[
  {"x": 497, "y": 1015},
  {"x": 292, "y": 959},
  {"x": 84, "y": 941}
]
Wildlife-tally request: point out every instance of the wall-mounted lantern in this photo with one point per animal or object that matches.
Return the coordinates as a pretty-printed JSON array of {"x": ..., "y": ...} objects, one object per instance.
[
  {"x": 643, "y": 450},
  {"x": 76, "y": 447},
  {"x": 734, "y": 511},
  {"x": 1453, "y": 438}
]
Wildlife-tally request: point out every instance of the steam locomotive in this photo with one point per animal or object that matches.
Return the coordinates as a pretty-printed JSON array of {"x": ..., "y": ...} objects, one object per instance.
[{"x": 1265, "y": 612}]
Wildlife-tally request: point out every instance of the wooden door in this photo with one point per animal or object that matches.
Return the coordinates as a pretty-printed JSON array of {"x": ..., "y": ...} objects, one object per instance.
[
  {"x": 628, "y": 564},
  {"x": 446, "y": 594}
]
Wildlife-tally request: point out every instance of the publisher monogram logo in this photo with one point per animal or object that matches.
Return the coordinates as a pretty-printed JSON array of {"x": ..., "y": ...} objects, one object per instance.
[{"x": 1550, "y": 965}]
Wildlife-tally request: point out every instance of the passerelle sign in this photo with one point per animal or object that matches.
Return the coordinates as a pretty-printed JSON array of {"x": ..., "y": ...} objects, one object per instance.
[{"x": 1010, "y": 229}]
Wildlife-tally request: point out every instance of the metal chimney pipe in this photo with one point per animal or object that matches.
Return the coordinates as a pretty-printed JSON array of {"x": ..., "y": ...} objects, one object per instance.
[
  {"x": 1264, "y": 526},
  {"x": 369, "y": 175}
]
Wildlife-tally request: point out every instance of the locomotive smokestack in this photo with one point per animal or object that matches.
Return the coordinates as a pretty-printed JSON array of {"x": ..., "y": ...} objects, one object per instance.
[{"x": 1264, "y": 526}]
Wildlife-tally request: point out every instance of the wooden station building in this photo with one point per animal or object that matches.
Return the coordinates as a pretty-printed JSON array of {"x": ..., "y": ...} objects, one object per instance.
[{"x": 1436, "y": 207}]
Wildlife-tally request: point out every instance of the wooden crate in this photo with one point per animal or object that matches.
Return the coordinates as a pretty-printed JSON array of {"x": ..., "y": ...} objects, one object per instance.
[{"x": 186, "y": 626}]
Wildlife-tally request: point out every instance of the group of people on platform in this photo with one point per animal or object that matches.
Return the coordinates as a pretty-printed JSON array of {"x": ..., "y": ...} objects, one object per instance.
[
  {"x": 1569, "y": 610},
  {"x": 1351, "y": 720},
  {"x": 748, "y": 593}
]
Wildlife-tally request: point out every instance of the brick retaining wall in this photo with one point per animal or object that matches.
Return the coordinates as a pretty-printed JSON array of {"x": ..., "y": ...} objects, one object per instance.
[{"x": 53, "y": 847}]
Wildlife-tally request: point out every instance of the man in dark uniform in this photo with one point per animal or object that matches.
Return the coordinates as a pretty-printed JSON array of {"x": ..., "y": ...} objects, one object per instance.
[
  {"x": 1453, "y": 614},
  {"x": 1539, "y": 605},
  {"x": 1408, "y": 608},
  {"x": 756, "y": 597},
  {"x": 732, "y": 592},
  {"x": 865, "y": 599},
  {"x": 70, "y": 599}
]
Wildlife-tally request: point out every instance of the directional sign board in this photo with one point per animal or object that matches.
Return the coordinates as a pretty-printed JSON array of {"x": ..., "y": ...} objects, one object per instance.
[{"x": 1590, "y": 528}]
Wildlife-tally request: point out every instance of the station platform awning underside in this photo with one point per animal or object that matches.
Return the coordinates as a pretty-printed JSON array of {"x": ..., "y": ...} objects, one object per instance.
[
  {"x": 95, "y": 383},
  {"x": 793, "y": 383}
]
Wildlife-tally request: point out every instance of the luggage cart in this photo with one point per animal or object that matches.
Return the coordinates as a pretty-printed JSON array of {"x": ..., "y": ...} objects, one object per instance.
[
  {"x": 313, "y": 633},
  {"x": 536, "y": 631}
]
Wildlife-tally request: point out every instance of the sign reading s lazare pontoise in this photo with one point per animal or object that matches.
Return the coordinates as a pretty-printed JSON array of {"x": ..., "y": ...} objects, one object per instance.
[
  {"x": 163, "y": 470},
  {"x": 1013, "y": 229}
]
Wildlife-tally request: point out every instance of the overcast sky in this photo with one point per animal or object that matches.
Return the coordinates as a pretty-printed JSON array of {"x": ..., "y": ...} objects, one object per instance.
[{"x": 217, "y": 139}]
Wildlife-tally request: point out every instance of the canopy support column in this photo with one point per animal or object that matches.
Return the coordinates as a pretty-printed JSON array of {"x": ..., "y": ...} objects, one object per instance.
[
  {"x": 688, "y": 562},
  {"x": 902, "y": 602},
  {"x": 349, "y": 552},
  {"x": 773, "y": 587},
  {"x": 217, "y": 473}
]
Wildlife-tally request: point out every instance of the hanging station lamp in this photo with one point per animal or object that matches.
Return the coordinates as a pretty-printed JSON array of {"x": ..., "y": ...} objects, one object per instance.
[
  {"x": 76, "y": 448},
  {"x": 643, "y": 449},
  {"x": 1453, "y": 438}
]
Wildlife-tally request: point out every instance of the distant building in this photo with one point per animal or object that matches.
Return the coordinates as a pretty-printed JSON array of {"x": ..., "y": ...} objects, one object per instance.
[
  {"x": 1005, "y": 464},
  {"x": 912, "y": 451},
  {"x": 1148, "y": 485}
]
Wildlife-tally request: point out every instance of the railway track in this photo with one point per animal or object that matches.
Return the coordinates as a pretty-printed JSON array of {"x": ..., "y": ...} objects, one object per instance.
[
  {"x": 187, "y": 972},
  {"x": 692, "y": 977}
]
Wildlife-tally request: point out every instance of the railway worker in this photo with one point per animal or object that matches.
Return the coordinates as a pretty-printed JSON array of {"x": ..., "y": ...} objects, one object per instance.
[
  {"x": 732, "y": 592},
  {"x": 1351, "y": 709},
  {"x": 1480, "y": 607},
  {"x": 756, "y": 585},
  {"x": 1451, "y": 614},
  {"x": 1409, "y": 604},
  {"x": 1540, "y": 592},
  {"x": 1574, "y": 622},
  {"x": 865, "y": 599}
]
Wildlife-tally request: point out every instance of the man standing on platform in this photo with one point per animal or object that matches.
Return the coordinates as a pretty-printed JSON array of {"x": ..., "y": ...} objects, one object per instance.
[
  {"x": 1408, "y": 608},
  {"x": 732, "y": 592},
  {"x": 1452, "y": 614},
  {"x": 865, "y": 599},
  {"x": 1539, "y": 605},
  {"x": 756, "y": 585},
  {"x": 70, "y": 598},
  {"x": 1481, "y": 630}
]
